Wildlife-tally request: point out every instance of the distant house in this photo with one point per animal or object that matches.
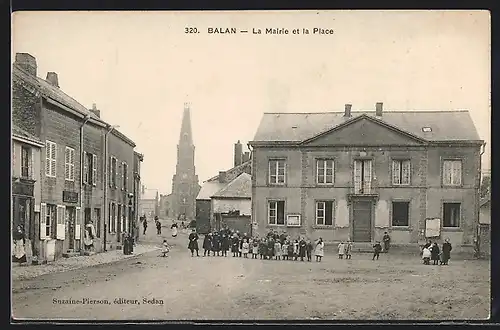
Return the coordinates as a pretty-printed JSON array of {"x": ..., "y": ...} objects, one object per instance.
[
  {"x": 232, "y": 205},
  {"x": 485, "y": 225},
  {"x": 149, "y": 203},
  {"x": 204, "y": 214}
]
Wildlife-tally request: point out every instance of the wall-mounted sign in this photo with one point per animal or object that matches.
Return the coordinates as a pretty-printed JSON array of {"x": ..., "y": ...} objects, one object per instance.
[
  {"x": 70, "y": 197},
  {"x": 432, "y": 227},
  {"x": 22, "y": 188},
  {"x": 293, "y": 220}
]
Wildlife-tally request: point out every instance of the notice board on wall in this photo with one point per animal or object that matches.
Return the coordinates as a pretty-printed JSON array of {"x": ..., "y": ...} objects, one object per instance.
[{"x": 432, "y": 227}]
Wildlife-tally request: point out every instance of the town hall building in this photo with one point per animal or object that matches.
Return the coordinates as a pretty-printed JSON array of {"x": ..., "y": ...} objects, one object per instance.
[{"x": 354, "y": 175}]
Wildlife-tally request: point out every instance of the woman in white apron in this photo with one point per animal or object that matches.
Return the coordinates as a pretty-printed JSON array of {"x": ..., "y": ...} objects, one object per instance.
[
  {"x": 88, "y": 240},
  {"x": 19, "y": 241}
]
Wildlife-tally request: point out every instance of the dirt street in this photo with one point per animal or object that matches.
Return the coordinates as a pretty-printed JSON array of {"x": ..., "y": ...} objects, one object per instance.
[{"x": 183, "y": 287}]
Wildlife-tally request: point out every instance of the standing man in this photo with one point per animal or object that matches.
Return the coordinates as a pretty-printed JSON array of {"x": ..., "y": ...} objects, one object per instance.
[
  {"x": 193, "y": 243},
  {"x": 145, "y": 225},
  {"x": 387, "y": 241}
]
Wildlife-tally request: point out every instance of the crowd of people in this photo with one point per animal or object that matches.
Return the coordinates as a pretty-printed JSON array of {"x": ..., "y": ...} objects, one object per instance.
[{"x": 274, "y": 246}]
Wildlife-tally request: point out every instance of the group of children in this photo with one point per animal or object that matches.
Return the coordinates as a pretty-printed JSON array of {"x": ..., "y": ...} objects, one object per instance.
[{"x": 273, "y": 246}]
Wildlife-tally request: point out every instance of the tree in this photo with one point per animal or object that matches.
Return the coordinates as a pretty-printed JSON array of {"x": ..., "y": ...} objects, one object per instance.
[{"x": 485, "y": 186}]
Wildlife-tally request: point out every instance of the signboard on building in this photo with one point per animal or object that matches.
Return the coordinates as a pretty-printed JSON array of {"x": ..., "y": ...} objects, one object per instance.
[
  {"x": 70, "y": 196},
  {"x": 293, "y": 220},
  {"x": 432, "y": 227},
  {"x": 22, "y": 188}
]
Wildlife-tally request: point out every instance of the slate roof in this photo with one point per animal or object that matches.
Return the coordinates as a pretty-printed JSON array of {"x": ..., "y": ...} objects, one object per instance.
[
  {"x": 234, "y": 172},
  {"x": 208, "y": 189},
  {"x": 241, "y": 187},
  {"x": 297, "y": 127},
  {"x": 18, "y": 131},
  {"x": 58, "y": 95}
]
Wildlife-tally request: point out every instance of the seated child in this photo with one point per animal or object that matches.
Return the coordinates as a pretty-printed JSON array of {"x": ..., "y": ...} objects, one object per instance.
[
  {"x": 165, "y": 249},
  {"x": 426, "y": 255}
]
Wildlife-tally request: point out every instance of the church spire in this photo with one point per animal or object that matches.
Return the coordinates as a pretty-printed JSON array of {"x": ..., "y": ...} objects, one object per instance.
[{"x": 186, "y": 134}]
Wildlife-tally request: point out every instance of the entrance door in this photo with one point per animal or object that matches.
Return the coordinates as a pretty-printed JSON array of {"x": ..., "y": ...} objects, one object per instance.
[
  {"x": 362, "y": 221},
  {"x": 70, "y": 220}
]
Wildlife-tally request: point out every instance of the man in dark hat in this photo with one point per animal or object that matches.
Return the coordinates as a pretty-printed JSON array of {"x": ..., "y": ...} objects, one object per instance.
[{"x": 193, "y": 243}]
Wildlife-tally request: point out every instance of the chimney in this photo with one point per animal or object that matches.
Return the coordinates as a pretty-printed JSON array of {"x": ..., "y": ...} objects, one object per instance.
[
  {"x": 52, "y": 79},
  {"x": 95, "y": 111},
  {"x": 347, "y": 112},
  {"x": 378, "y": 109},
  {"x": 238, "y": 153},
  {"x": 222, "y": 177},
  {"x": 26, "y": 62},
  {"x": 246, "y": 157}
]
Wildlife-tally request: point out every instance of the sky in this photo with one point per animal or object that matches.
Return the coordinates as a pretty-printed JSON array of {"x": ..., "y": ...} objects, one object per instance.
[{"x": 139, "y": 68}]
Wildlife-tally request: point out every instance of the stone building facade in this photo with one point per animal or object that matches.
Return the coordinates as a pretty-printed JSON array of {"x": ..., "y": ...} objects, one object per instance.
[
  {"x": 72, "y": 165},
  {"x": 343, "y": 175}
]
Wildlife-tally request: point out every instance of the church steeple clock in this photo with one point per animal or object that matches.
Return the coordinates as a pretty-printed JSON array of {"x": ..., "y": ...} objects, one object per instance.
[{"x": 185, "y": 185}]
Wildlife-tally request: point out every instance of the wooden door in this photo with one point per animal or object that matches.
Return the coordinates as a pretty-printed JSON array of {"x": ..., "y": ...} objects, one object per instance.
[{"x": 362, "y": 221}]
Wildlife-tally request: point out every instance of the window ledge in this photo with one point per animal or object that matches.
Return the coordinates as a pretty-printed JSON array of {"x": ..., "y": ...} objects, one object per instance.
[
  {"x": 270, "y": 225},
  {"x": 322, "y": 226},
  {"x": 400, "y": 228},
  {"x": 452, "y": 229}
]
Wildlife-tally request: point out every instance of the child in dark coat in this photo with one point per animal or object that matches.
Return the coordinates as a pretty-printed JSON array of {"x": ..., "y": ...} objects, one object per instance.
[
  {"x": 207, "y": 244},
  {"x": 224, "y": 245},
  {"x": 270, "y": 248},
  {"x": 262, "y": 248},
  {"x": 235, "y": 246},
  {"x": 302, "y": 249},
  {"x": 290, "y": 250},
  {"x": 377, "y": 248}
]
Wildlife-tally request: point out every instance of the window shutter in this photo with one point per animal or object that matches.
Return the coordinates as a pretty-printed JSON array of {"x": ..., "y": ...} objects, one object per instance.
[
  {"x": 357, "y": 176},
  {"x": 110, "y": 172},
  {"x": 85, "y": 168},
  {"x": 31, "y": 170},
  {"x": 117, "y": 176},
  {"x": 395, "y": 172},
  {"x": 115, "y": 218},
  {"x": 367, "y": 176},
  {"x": 53, "y": 153},
  {"x": 127, "y": 178},
  {"x": 61, "y": 222},
  {"x": 109, "y": 218},
  {"x": 94, "y": 170},
  {"x": 43, "y": 220},
  {"x": 77, "y": 223},
  {"x": 66, "y": 163},
  {"x": 47, "y": 158},
  {"x": 72, "y": 165},
  {"x": 406, "y": 172}
]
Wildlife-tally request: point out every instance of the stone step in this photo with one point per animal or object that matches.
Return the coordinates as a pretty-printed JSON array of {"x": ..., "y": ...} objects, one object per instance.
[
  {"x": 70, "y": 254},
  {"x": 89, "y": 253}
]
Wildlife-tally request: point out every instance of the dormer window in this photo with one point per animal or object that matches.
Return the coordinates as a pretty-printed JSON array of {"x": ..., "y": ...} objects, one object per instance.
[{"x": 426, "y": 129}]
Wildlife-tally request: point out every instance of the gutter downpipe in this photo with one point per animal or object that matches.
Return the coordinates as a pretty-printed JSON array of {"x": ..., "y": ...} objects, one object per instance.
[
  {"x": 478, "y": 199},
  {"x": 105, "y": 187},
  {"x": 82, "y": 213}
]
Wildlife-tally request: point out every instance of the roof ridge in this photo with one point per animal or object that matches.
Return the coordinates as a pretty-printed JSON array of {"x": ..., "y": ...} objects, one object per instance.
[{"x": 365, "y": 111}]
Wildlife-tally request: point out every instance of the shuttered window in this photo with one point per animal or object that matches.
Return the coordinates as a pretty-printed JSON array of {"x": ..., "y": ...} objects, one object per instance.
[
  {"x": 94, "y": 170},
  {"x": 69, "y": 164},
  {"x": 50, "y": 158}
]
